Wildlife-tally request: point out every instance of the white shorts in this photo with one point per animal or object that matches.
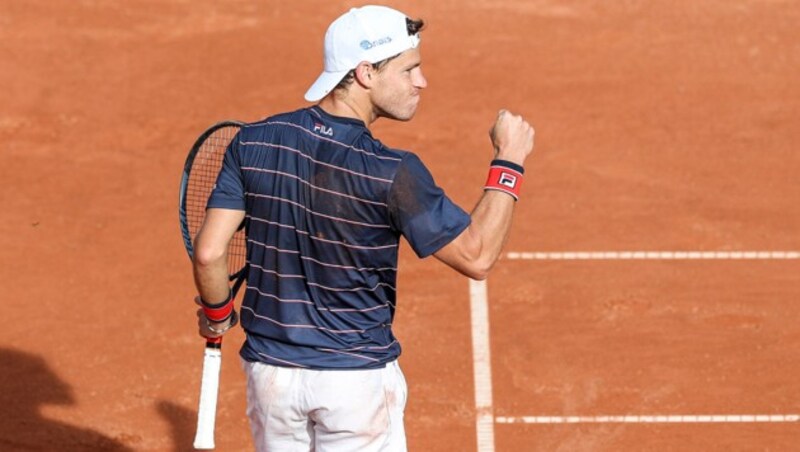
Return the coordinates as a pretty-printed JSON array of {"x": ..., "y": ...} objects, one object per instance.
[{"x": 294, "y": 409}]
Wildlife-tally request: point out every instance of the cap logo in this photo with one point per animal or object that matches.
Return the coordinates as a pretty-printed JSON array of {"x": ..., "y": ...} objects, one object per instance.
[{"x": 366, "y": 45}]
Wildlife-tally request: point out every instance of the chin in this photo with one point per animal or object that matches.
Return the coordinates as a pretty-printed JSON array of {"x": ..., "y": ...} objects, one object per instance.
[
  {"x": 397, "y": 116},
  {"x": 408, "y": 114},
  {"x": 407, "y": 117}
]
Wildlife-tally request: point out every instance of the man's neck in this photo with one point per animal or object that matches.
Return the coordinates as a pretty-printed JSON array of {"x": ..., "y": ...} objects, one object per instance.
[{"x": 347, "y": 107}]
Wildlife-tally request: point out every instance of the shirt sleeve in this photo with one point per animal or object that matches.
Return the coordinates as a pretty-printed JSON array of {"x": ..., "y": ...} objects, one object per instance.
[
  {"x": 228, "y": 192},
  {"x": 421, "y": 211}
]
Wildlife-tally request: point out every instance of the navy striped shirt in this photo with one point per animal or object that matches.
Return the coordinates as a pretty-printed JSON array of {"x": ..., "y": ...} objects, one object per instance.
[{"x": 325, "y": 205}]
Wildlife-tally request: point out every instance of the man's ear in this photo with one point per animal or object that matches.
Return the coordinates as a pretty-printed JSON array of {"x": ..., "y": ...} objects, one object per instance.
[{"x": 365, "y": 74}]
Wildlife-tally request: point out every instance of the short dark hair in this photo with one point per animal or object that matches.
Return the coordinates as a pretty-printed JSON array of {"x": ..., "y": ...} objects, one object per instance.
[{"x": 414, "y": 27}]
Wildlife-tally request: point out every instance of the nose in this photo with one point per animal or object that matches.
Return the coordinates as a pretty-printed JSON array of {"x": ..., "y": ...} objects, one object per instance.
[{"x": 418, "y": 79}]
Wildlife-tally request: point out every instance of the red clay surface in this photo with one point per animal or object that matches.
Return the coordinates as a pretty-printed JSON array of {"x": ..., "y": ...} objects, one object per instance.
[{"x": 661, "y": 125}]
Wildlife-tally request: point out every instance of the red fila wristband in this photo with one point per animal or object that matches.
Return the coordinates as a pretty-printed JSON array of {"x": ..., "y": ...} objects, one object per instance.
[
  {"x": 219, "y": 312},
  {"x": 506, "y": 177}
]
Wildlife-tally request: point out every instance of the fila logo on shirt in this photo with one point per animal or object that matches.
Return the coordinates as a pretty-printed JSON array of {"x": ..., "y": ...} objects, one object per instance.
[
  {"x": 321, "y": 129},
  {"x": 508, "y": 179}
]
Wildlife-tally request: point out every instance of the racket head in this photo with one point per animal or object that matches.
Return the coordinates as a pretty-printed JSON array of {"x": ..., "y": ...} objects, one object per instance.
[{"x": 200, "y": 173}]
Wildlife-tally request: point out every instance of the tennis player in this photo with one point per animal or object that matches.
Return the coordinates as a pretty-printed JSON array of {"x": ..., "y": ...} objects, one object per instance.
[{"x": 325, "y": 204}]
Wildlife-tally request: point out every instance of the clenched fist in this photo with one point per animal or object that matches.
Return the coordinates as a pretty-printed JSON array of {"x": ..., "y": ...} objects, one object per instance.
[{"x": 512, "y": 137}]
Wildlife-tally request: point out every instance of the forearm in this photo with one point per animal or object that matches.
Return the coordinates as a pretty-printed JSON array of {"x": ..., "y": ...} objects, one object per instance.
[
  {"x": 491, "y": 223},
  {"x": 211, "y": 280}
]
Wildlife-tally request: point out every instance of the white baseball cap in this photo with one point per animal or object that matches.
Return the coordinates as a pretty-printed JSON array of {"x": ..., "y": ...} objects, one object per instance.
[{"x": 371, "y": 34}]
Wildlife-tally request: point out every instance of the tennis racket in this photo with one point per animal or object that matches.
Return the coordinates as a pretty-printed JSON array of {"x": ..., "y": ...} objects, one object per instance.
[{"x": 199, "y": 176}]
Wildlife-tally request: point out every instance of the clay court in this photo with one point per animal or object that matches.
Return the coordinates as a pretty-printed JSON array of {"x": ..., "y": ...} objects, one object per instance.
[{"x": 649, "y": 297}]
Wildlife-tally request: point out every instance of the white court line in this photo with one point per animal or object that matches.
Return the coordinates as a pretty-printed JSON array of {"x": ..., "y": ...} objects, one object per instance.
[
  {"x": 482, "y": 367},
  {"x": 632, "y": 419},
  {"x": 654, "y": 255}
]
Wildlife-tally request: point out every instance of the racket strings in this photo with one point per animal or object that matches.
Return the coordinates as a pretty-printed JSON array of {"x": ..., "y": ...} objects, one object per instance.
[{"x": 202, "y": 179}]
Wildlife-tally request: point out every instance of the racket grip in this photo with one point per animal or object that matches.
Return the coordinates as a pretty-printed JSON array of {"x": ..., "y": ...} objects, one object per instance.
[{"x": 209, "y": 390}]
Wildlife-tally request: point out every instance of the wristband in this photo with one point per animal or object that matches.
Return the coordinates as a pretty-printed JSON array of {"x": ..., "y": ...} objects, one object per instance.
[
  {"x": 218, "y": 312},
  {"x": 505, "y": 176},
  {"x": 234, "y": 321}
]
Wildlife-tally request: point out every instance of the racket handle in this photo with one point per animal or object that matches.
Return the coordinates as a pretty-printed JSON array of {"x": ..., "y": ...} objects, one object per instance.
[{"x": 209, "y": 389}]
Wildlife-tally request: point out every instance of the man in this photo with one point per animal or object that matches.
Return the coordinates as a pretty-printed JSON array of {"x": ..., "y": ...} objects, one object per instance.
[{"x": 325, "y": 204}]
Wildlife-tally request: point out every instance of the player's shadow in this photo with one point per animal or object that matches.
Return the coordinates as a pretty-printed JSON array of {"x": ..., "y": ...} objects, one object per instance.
[
  {"x": 26, "y": 385},
  {"x": 182, "y": 424}
]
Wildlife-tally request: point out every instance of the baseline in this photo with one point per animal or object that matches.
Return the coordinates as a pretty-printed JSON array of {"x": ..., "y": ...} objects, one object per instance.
[
  {"x": 654, "y": 255},
  {"x": 650, "y": 419}
]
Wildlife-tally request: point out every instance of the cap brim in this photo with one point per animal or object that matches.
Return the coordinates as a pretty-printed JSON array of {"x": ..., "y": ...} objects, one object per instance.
[{"x": 324, "y": 84}]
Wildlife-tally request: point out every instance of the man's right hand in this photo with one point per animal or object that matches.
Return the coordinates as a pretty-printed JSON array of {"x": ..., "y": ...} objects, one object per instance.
[
  {"x": 203, "y": 324},
  {"x": 512, "y": 137}
]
